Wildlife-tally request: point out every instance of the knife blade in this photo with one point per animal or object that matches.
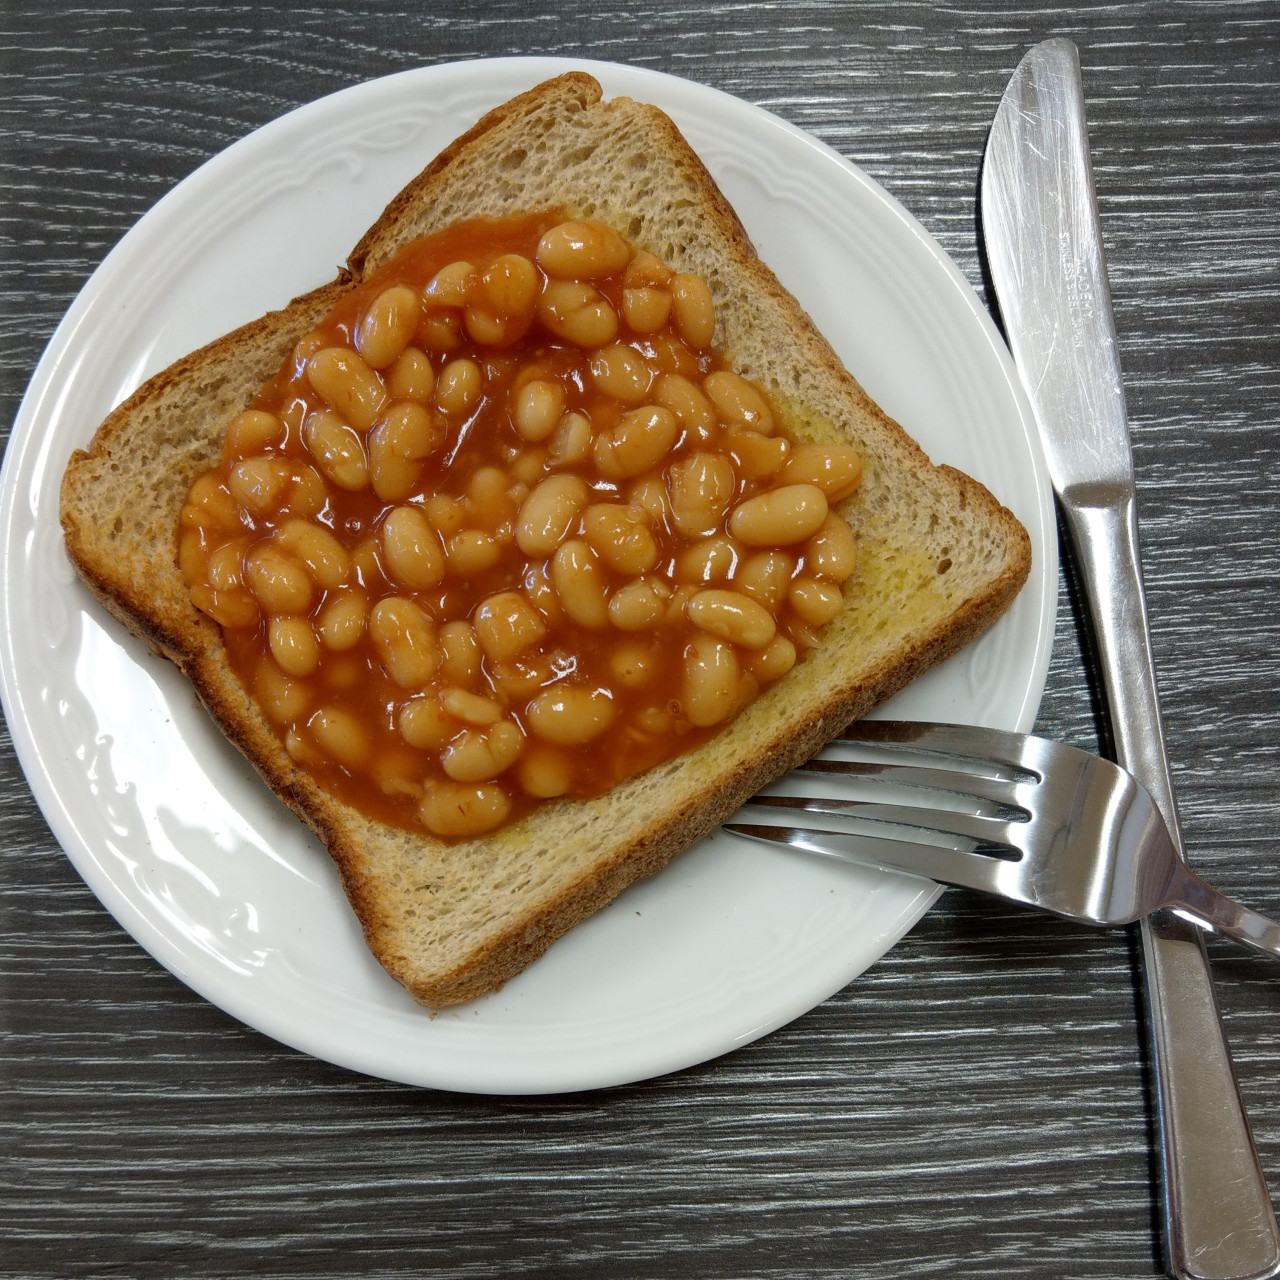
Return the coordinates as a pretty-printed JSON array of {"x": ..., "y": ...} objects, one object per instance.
[{"x": 1044, "y": 249}]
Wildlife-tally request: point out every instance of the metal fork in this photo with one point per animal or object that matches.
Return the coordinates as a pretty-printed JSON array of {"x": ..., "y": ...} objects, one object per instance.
[{"x": 1031, "y": 820}]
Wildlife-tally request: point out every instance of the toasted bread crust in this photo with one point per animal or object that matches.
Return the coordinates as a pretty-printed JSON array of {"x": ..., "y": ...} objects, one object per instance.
[{"x": 454, "y": 921}]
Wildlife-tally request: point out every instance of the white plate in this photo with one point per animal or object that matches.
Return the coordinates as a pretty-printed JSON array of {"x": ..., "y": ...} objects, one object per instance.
[{"x": 171, "y": 828}]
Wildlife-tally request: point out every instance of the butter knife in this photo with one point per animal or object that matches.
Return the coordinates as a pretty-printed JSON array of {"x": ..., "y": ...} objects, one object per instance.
[{"x": 1040, "y": 226}]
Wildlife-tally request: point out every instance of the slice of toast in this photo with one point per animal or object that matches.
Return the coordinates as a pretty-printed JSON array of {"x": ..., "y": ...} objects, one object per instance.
[{"x": 939, "y": 558}]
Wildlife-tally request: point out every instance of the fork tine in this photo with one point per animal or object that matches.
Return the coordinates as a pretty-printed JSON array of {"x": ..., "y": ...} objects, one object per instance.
[
  {"x": 967, "y": 742},
  {"x": 945, "y": 822},
  {"x": 952, "y": 781},
  {"x": 932, "y": 862}
]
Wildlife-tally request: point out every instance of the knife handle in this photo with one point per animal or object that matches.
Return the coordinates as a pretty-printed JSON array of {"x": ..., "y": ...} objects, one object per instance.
[{"x": 1219, "y": 1223}]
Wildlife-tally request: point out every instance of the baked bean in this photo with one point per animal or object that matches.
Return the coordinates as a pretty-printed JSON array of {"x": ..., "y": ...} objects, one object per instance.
[
  {"x": 480, "y": 755},
  {"x": 832, "y": 552},
  {"x": 459, "y": 387},
  {"x": 211, "y": 505},
  {"x": 252, "y": 431},
  {"x": 304, "y": 349},
  {"x": 302, "y": 750},
  {"x": 472, "y": 552},
  {"x": 773, "y": 661},
  {"x": 278, "y": 582},
  {"x": 544, "y": 772},
  {"x": 702, "y": 486},
  {"x": 803, "y": 635},
  {"x": 347, "y": 385},
  {"x": 440, "y": 332},
  {"x": 365, "y": 561},
  {"x": 835, "y": 468},
  {"x": 193, "y": 560},
  {"x": 655, "y": 721},
  {"x": 409, "y": 430},
  {"x": 780, "y": 517},
  {"x": 568, "y": 715},
  {"x": 487, "y": 329},
  {"x": 693, "y": 310},
  {"x": 293, "y": 646},
  {"x": 766, "y": 577},
  {"x": 456, "y": 809},
  {"x": 580, "y": 583},
  {"x": 527, "y": 468},
  {"x": 649, "y": 495},
  {"x": 676, "y": 604},
  {"x": 404, "y": 640},
  {"x": 306, "y": 494},
  {"x": 320, "y": 553},
  {"x": 571, "y": 443},
  {"x": 411, "y": 377},
  {"x": 486, "y": 490},
  {"x": 424, "y": 723},
  {"x": 579, "y": 250},
  {"x": 396, "y": 772},
  {"x": 342, "y": 620},
  {"x": 738, "y": 401},
  {"x": 633, "y": 664},
  {"x": 816, "y": 602},
  {"x": 647, "y": 269},
  {"x": 537, "y": 409},
  {"x": 537, "y": 586},
  {"x": 639, "y": 605},
  {"x": 577, "y": 313},
  {"x": 234, "y": 610},
  {"x": 519, "y": 678},
  {"x": 732, "y": 616},
  {"x": 387, "y": 326},
  {"x": 392, "y": 476},
  {"x": 709, "y": 560},
  {"x": 646, "y": 309},
  {"x": 411, "y": 548},
  {"x": 671, "y": 356},
  {"x": 686, "y": 401},
  {"x": 470, "y": 708},
  {"x": 548, "y": 513},
  {"x": 506, "y": 624},
  {"x": 224, "y": 566},
  {"x": 451, "y": 285},
  {"x": 709, "y": 688},
  {"x": 282, "y": 699},
  {"x": 756, "y": 457},
  {"x": 337, "y": 449},
  {"x": 341, "y": 734},
  {"x": 620, "y": 537},
  {"x": 508, "y": 287},
  {"x": 259, "y": 485},
  {"x": 446, "y": 513},
  {"x": 621, "y": 372},
  {"x": 459, "y": 653},
  {"x": 405, "y": 435},
  {"x": 639, "y": 441}
]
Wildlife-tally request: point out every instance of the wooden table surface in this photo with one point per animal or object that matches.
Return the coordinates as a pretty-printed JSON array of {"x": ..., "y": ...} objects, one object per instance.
[{"x": 977, "y": 1103}]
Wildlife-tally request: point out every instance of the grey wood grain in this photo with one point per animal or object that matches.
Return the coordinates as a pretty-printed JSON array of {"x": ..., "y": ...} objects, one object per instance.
[{"x": 975, "y": 1105}]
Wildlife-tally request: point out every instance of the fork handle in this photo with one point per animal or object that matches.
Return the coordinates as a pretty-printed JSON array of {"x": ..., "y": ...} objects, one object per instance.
[
  {"x": 1219, "y": 1224},
  {"x": 1217, "y": 911}
]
